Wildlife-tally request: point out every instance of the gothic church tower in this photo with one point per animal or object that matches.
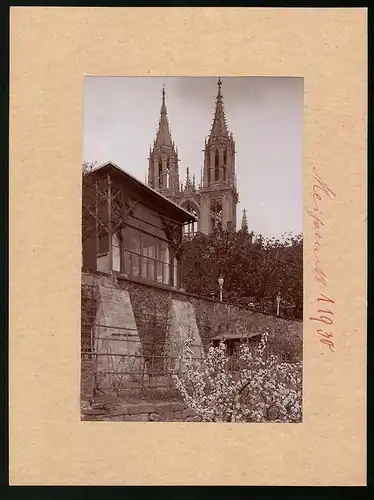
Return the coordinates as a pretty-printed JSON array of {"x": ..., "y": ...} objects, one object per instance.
[
  {"x": 214, "y": 201},
  {"x": 163, "y": 160},
  {"x": 219, "y": 196}
]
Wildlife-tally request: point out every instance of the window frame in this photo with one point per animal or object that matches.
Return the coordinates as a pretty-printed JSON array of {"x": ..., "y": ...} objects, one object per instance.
[
  {"x": 148, "y": 267},
  {"x": 216, "y": 166}
]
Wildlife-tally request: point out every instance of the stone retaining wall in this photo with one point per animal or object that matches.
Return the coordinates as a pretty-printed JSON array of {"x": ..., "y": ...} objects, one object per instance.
[
  {"x": 212, "y": 317},
  {"x": 156, "y": 315}
]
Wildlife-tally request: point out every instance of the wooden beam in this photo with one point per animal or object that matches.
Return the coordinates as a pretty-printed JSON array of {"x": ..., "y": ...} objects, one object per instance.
[
  {"x": 97, "y": 219},
  {"x": 110, "y": 249},
  {"x": 123, "y": 217}
]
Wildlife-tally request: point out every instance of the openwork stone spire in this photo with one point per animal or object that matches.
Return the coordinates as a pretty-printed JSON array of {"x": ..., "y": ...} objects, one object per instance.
[
  {"x": 219, "y": 127},
  {"x": 187, "y": 177},
  {"x": 244, "y": 221},
  {"x": 163, "y": 137},
  {"x": 189, "y": 185}
]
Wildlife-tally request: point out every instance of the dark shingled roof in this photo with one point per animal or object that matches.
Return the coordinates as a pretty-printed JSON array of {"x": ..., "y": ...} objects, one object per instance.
[{"x": 149, "y": 197}]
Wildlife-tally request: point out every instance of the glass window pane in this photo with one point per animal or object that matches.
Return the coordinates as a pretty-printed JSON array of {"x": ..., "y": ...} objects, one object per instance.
[
  {"x": 135, "y": 265},
  {"x": 163, "y": 252},
  {"x": 151, "y": 269},
  {"x": 159, "y": 272},
  {"x": 126, "y": 235},
  {"x": 135, "y": 240},
  {"x": 152, "y": 249},
  {"x": 144, "y": 267},
  {"x": 144, "y": 247},
  {"x": 149, "y": 246},
  {"x": 115, "y": 240},
  {"x": 161, "y": 234},
  {"x": 127, "y": 262},
  {"x": 175, "y": 272},
  {"x": 145, "y": 243},
  {"x": 166, "y": 274},
  {"x": 116, "y": 253},
  {"x": 167, "y": 254},
  {"x": 116, "y": 259}
]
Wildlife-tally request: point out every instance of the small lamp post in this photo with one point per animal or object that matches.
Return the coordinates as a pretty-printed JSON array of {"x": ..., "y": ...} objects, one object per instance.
[
  {"x": 278, "y": 299},
  {"x": 220, "y": 282}
]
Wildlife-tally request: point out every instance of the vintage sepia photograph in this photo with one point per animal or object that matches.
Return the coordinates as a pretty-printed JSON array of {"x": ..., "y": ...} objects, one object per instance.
[{"x": 192, "y": 249}]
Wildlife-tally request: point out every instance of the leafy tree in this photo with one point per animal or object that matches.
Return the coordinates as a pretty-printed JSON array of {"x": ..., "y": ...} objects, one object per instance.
[{"x": 254, "y": 271}]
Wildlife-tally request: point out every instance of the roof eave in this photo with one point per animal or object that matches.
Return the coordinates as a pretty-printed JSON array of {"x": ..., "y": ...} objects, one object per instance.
[{"x": 187, "y": 216}]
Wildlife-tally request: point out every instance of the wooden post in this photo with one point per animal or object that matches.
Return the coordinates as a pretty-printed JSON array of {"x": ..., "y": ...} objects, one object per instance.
[
  {"x": 181, "y": 271},
  {"x": 110, "y": 249},
  {"x": 97, "y": 220},
  {"x": 172, "y": 255}
]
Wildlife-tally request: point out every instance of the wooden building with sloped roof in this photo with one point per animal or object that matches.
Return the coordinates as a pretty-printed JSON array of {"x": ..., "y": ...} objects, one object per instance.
[{"x": 130, "y": 229}]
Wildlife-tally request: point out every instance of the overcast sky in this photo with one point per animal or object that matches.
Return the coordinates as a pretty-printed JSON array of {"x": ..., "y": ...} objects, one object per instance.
[{"x": 264, "y": 114}]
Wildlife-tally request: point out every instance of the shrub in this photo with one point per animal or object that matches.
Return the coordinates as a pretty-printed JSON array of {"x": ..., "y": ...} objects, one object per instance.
[{"x": 261, "y": 389}]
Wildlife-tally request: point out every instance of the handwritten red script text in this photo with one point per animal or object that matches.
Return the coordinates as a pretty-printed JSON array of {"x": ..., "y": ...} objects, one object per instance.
[{"x": 324, "y": 317}]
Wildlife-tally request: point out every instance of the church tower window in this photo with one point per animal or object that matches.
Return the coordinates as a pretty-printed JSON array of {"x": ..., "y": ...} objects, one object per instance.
[
  {"x": 216, "y": 166},
  {"x": 216, "y": 213},
  {"x": 160, "y": 173}
]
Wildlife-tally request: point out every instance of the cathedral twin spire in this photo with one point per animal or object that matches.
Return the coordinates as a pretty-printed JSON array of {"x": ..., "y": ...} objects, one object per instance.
[
  {"x": 218, "y": 179},
  {"x": 218, "y": 129},
  {"x": 163, "y": 157},
  {"x": 163, "y": 137},
  {"x": 219, "y": 126}
]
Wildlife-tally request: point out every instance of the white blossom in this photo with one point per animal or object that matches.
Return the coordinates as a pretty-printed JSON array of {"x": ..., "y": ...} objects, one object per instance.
[{"x": 260, "y": 389}]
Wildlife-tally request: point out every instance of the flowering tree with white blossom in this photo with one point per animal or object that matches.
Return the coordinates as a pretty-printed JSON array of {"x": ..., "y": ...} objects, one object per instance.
[{"x": 260, "y": 389}]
